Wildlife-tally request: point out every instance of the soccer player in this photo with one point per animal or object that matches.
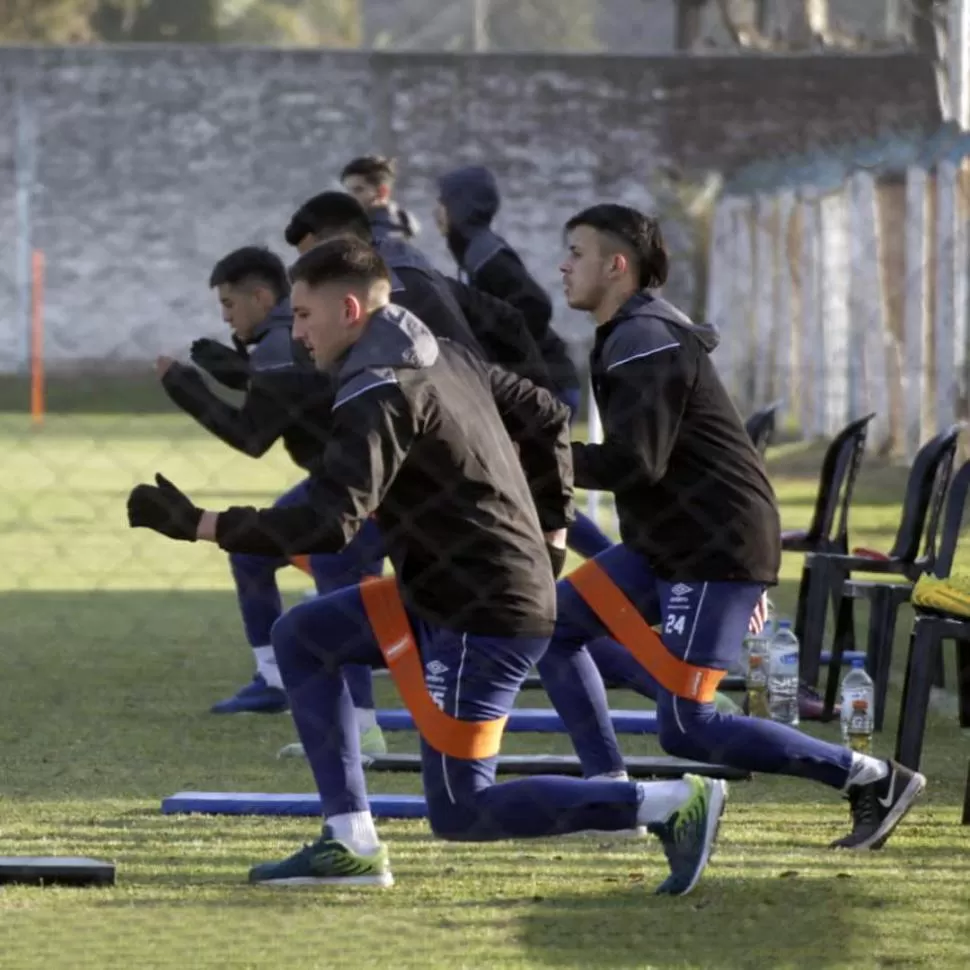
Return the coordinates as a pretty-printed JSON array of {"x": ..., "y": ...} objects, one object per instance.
[
  {"x": 419, "y": 287},
  {"x": 468, "y": 201},
  {"x": 422, "y": 437},
  {"x": 285, "y": 398},
  {"x": 370, "y": 180},
  {"x": 699, "y": 527}
]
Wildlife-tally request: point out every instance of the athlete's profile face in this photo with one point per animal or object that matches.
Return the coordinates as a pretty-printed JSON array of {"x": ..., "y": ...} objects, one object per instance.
[
  {"x": 585, "y": 270},
  {"x": 325, "y": 318},
  {"x": 244, "y": 308},
  {"x": 364, "y": 192}
]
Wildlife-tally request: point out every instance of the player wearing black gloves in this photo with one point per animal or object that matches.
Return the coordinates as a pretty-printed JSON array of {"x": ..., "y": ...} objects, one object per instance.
[{"x": 285, "y": 398}]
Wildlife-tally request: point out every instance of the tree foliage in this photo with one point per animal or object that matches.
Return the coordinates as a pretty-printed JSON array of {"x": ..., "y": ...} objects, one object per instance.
[
  {"x": 555, "y": 25},
  {"x": 46, "y": 21},
  {"x": 324, "y": 23},
  {"x": 308, "y": 23}
]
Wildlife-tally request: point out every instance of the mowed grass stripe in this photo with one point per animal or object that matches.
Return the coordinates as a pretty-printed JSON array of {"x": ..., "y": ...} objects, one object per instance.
[{"x": 116, "y": 642}]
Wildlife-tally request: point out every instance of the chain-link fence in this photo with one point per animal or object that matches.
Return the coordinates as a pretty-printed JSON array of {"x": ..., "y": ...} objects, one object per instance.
[{"x": 838, "y": 282}]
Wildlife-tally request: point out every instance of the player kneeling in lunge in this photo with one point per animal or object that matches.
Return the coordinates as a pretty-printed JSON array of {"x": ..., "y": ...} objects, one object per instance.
[
  {"x": 424, "y": 436},
  {"x": 699, "y": 528}
]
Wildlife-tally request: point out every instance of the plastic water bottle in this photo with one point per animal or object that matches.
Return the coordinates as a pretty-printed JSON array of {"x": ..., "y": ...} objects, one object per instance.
[
  {"x": 741, "y": 667},
  {"x": 783, "y": 675},
  {"x": 858, "y": 701},
  {"x": 756, "y": 679}
]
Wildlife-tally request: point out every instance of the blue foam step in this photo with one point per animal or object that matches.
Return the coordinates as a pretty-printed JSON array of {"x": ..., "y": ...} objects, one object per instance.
[
  {"x": 257, "y": 803},
  {"x": 566, "y": 766},
  {"x": 537, "y": 720}
]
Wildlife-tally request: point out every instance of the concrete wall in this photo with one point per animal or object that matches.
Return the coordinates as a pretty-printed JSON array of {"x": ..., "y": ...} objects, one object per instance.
[{"x": 153, "y": 162}]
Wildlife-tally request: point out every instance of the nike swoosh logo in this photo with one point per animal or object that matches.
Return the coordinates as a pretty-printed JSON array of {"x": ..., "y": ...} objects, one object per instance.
[{"x": 888, "y": 800}]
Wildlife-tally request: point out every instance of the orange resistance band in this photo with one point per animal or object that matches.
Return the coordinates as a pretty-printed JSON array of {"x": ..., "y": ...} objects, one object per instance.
[
  {"x": 626, "y": 625},
  {"x": 469, "y": 740},
  {"x": 302, "y": 563}
]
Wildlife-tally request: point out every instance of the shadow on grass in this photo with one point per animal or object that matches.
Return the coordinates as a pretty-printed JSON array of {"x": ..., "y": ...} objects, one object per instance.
[{"x": 728, "y": 924}]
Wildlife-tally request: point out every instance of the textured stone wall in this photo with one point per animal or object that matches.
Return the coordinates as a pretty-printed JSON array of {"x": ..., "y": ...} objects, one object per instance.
[{"x": 153, "y": 162}]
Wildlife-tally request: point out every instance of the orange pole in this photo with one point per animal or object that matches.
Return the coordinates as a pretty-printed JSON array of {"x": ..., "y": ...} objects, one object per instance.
[{"x": 37, "y": 404}]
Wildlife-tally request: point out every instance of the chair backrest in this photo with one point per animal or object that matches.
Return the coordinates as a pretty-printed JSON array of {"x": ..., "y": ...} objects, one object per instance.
[
  {"x": 761, "y": 427},
  {"x": 952, "y": 521},
  {"x": 923, "y": 502},
  {"x": 836, "y": 482}
]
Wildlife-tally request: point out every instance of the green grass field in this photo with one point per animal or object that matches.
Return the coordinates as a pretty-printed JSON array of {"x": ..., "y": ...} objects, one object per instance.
[{"x": 115, "y": 643}]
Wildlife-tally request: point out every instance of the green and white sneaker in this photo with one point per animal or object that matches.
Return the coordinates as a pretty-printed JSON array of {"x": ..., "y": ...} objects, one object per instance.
[
  {"x": 689, "y": 833},
  {"x": 326, "y": 862},
  {"x": 372, "y": 745}
]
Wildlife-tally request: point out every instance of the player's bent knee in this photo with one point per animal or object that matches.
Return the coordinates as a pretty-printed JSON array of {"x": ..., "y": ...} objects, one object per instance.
[
  {"x": 451, "y": 821},
  {"x": 684, "y": 728},
  {"x": 295, "y": 633},
  {"x": 454, "y": 806}
]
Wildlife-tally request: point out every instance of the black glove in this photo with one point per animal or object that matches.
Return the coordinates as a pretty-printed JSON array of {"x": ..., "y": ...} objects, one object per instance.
[
  {"x": 229, "y": 367},
  {"x": 165, "y": 509},
  {"x": 557, "y": 557}
]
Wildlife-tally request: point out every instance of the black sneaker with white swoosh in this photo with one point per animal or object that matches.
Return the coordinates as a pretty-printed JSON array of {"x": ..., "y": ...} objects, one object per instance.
[{"x": 877, "y": 808}]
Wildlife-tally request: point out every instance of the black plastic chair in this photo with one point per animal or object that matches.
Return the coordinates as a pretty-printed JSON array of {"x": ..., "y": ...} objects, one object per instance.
[
  {"x": 761, "y": 427},
  {"x": 930, "y": 629},
  {"x": 913, "y": 552},
  {"x": 829, "y": 528}
]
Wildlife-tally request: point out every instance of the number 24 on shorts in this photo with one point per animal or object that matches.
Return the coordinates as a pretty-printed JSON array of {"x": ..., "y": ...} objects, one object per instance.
[{"x": 675, "y": 623}]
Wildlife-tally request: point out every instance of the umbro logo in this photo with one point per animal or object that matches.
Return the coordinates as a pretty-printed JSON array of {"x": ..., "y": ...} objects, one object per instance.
[
  {"x": 680, "y": 590},
  {"x": 436, "y": 668}
]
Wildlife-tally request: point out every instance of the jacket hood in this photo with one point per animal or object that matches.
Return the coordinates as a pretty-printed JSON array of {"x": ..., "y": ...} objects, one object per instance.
[
  {"x": 391, "y": 218},
  {"x": 393, "y": 339},
  {"x": 280, "y": 316},
  {"x": 470, "y": 196},
  {"x": 645, "y": 305}
]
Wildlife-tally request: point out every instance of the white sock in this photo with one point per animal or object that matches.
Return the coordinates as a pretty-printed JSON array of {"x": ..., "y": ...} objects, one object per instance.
[
  {"x": 610, "y": 776},
  {"x": 356, "y": 831},
  {"x": 366, "y": 718},
  {"x": 865, "y": 770},
  {"x": 266, "y": 666},
  {"x": 659, "y": 799}
]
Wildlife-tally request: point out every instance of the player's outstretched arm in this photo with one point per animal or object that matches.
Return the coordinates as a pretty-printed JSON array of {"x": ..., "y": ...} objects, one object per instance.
[
  {"x": 370, "y": 440},
  {"x": 228, "y": 365},
  {"x": 252, "y": 428}
]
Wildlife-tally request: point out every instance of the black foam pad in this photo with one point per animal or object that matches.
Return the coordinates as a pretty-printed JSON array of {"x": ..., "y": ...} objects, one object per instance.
[{"x": 56, "y": 871}]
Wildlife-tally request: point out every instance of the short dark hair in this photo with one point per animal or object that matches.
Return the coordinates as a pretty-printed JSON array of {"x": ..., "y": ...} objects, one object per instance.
[
  {"x": 252, "y": 264},
  {"x": 632, "y": 228},
  {"x": 376, "y": 169},
  {"x": 345, "y": 259},
  {"x": 334, "y": 212}
]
